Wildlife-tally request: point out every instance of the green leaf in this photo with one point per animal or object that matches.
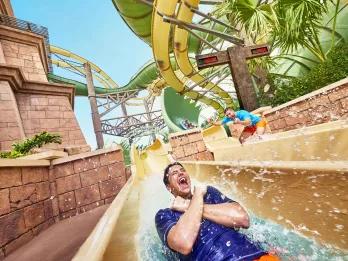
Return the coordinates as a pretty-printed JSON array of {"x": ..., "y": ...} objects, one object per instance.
[{"x": 23, "y": 148}]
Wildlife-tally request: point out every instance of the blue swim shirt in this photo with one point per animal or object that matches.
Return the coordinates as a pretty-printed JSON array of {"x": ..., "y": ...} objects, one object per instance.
[
  {"x": 243, "y": 115},
  {"x": 214, "y": 242}
]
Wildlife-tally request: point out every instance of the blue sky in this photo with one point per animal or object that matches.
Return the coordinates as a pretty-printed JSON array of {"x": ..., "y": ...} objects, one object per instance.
[{"x": 94, "y": 30}]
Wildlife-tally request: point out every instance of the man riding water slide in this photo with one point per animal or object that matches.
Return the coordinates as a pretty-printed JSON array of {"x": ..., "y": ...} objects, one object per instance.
[
  {"x": 201, "y": 225},
  {"x": 253, "y": 123}
]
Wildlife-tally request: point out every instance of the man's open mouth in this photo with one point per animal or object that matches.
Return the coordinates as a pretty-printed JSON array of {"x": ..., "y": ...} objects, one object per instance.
[{"x": 183, "y": 181}]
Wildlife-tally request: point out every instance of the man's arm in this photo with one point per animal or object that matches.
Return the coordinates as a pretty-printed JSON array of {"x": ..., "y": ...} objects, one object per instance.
[
  {"x": 229, "y": 214},
  {"x": 217, "y": 123},
  {"x": 245, "y": 122},
  {"x": 183, "y": 234}
]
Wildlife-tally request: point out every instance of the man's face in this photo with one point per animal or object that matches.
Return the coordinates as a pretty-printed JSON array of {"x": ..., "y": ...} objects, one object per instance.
[
  {"x": 179, "y": 181},
  {"x": 230, "y": 114}
]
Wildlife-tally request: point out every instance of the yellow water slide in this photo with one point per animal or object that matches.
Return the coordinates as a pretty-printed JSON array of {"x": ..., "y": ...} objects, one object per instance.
[
  {"x": 161, "y": 35},
  {"x": 180, "y": 45},
  {"x": 304, "y": 195},
  {"x": 102, "y": 76},
  {"x": 114, "y": 238}
]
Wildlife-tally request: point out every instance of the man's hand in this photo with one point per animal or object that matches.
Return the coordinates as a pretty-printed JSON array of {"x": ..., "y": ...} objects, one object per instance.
[
  {"x": 180, "y": 204},
  {"x": 238, "y": 121},
  {"x": 213, "y": 122},
  {"x": 182, "y": 236},
  {"x": 200, "y": 190},
  {"x": 246, "y": 122}
]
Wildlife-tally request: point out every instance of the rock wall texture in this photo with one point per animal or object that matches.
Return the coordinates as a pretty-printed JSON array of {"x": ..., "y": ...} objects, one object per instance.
[
  {"x": 326, "y": 104},
  {"x": 33, "y": 198},
  {"x": 189, "y": 145}
]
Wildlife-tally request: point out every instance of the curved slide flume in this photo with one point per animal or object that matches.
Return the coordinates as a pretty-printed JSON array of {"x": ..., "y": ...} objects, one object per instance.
[
  {"x": 161, "y": 51},
  {"x": 137, "y": 16},
  {"x": 181, "y": 40},
  {"x": 144, "y": 77},
  {"x": 127, "y": 228},
  {"x": 173, "y": 117},
  {"x": 100, "y": 74},
  {"x": 170, "y": 100},
  {"x": 80, "y": 87}
]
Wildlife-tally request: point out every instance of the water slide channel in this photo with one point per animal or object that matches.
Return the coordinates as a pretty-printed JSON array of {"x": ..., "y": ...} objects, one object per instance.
[{"x": 295, "y": 192}]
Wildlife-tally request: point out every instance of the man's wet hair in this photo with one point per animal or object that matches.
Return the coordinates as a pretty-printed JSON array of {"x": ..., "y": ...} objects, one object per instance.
[
  {"x": 228, "y": 108},
  {"x": 166, "y": 171}
]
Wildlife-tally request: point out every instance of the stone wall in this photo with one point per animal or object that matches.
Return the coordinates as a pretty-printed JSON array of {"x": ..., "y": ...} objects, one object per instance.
[
  {"x": 86, "y": 181},
  {"x": 10, "y": 123},
  {"x": 26, "y": 57},
  {"x": 28, "y": 108},
  {"x": 2, "y": 56},
  {"x": 33, "y": 198},
  {"x": 326, "y": 104},
  {"x": 189, "y": 145},
  {"x": 25, "y": 205},
  {"x": 28, "y": 103},
  {"x": 6, "y": 8},
  {"x": 49, "y": 113}
]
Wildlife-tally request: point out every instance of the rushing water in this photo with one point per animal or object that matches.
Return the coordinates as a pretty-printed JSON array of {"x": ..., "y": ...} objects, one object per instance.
[{"x": 287, "y": 244}]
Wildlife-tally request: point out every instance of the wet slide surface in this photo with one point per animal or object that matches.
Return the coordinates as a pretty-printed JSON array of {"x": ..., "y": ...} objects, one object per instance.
[{"x": 297, "y": 207}]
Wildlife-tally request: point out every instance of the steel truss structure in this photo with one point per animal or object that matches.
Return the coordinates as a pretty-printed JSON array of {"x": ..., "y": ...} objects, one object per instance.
[
  {"x": 128, "y": 126},
  {"x": 110, "y": 101}
]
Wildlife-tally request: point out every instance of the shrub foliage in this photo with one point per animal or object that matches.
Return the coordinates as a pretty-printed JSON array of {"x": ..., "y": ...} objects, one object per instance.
[
  {"x": 284, "y": 89},
  {"x": 25, "y": 147}
]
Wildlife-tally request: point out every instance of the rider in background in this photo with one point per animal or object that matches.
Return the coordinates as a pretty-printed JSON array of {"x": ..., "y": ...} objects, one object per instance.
[{"x": 253, "y": 124}]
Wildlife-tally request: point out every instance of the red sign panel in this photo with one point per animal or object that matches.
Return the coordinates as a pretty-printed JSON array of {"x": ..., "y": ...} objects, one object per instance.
[
  {"x": 207, "y": 60},
  {"x": 260, "y": 50}
]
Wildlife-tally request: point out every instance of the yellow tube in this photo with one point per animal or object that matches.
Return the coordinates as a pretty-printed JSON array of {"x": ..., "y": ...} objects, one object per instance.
[
  {"x": 66, "y": 53},
  {"x": 63, "y": 64},
  {"x": 160, "y": 47},
  {"x": 160, "y": 42},
  {"x": 181, "y": 52}
]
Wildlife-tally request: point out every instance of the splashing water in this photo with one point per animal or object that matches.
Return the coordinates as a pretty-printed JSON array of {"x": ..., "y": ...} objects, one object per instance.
[
  {"x": 155, "y": 197},
  {"x": 287, "y": 244}
]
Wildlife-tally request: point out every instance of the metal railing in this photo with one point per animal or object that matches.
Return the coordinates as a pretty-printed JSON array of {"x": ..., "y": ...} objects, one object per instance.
[{"x": 29, "y": 27}]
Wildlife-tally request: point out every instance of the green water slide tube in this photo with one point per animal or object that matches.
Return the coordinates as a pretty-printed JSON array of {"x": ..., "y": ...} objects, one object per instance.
[
  {"x": 80, "y": 88},
  {"x": 138, "y": 15},
  {"x": 171, "y": 101},
  {"x": 146, "y": 75}
]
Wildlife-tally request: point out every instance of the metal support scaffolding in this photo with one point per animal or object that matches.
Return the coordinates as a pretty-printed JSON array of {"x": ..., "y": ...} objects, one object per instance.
[
  {"x": 147, "y": 110},
  {"x": 110, "y": 101},
  {"x": 198, "y": 27},
  {"x": 131, "y": 126},
  {"x": 196, "y": 11},
  {"x": 128, "y": 126},
  {"x": 94, "y": 107}
]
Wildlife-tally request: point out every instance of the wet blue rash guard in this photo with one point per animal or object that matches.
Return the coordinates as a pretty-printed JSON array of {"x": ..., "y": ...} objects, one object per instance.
[
  {"x": 243, "y": 115},
  {"x": 214, "y": 242}
]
